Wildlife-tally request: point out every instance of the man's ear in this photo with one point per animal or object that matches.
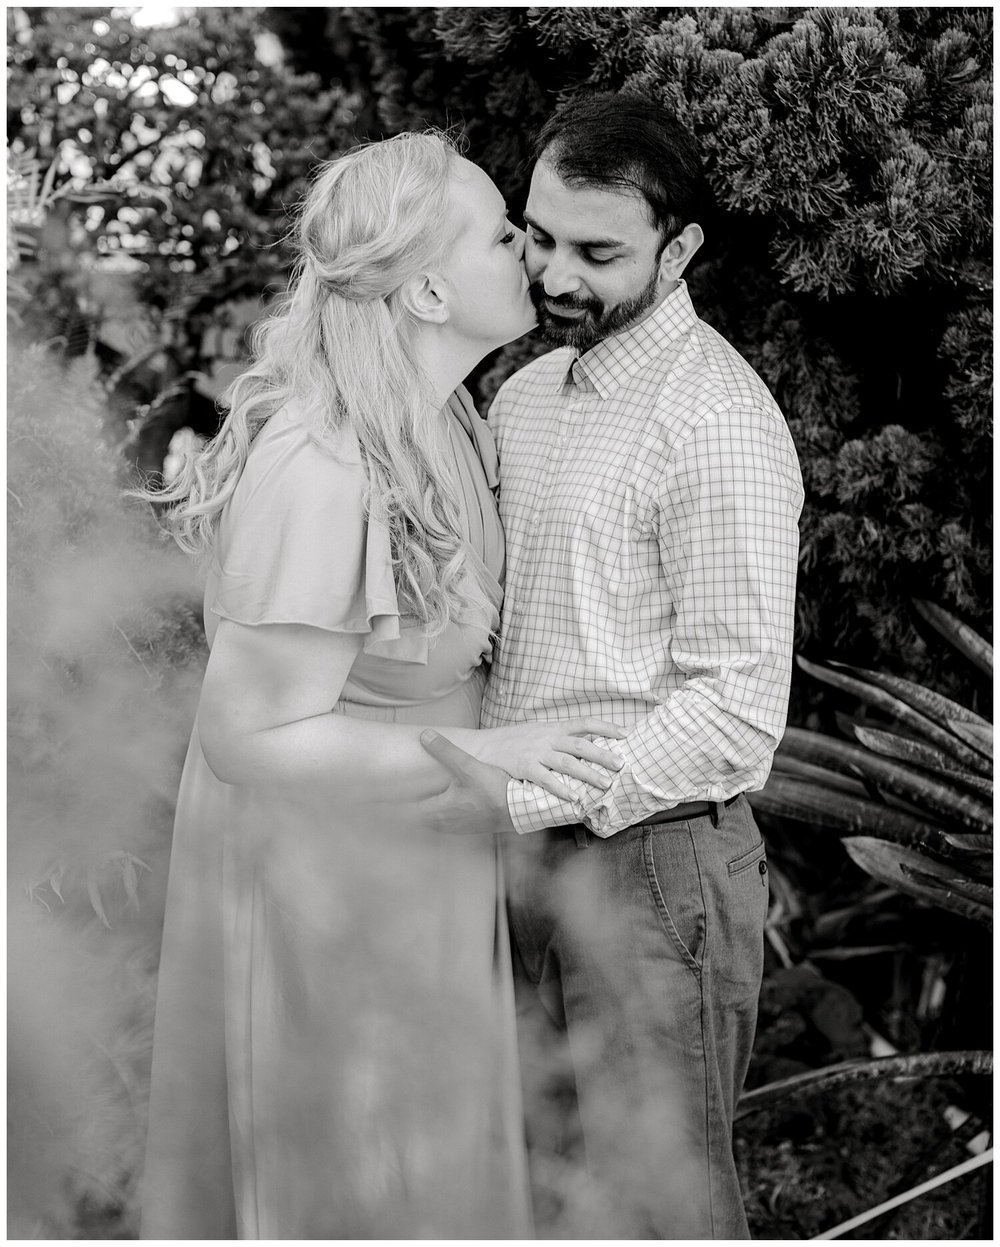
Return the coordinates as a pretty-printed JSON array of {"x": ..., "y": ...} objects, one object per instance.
[
  {"x": 424, "y": 299},
  {"x": 679, "y": 252}
]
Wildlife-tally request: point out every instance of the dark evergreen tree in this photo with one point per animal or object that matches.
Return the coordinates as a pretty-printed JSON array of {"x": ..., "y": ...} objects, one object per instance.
[{"x": 849, "y": 260}]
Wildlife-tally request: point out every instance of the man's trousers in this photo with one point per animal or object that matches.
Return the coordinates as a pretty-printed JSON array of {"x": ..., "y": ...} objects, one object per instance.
[{"x": 646, "y": 950}]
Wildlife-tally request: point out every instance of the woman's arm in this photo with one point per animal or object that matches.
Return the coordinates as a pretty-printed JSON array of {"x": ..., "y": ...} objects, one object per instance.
[{"x": 264, "y": 718}]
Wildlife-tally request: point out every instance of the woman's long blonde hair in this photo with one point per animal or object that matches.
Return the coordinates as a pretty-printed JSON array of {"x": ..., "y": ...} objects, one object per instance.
[{"x": 339, "y": 349}]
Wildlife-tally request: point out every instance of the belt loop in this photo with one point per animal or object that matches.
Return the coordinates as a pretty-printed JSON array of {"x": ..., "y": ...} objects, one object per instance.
[
  {"x": 580, "y": 836},
  {"x": 717, "y": 811}
]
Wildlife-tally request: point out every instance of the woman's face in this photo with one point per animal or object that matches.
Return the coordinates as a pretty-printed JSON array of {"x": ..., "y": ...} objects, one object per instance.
[{"x": 486, "y": 285}]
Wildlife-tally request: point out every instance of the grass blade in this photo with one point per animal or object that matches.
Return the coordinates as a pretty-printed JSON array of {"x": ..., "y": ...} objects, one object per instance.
[{"x": 918, "y": 1065}]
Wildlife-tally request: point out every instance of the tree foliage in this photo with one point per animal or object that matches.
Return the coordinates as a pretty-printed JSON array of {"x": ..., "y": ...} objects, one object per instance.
[
  {"x": 196, "y": 112},
  {"x": 849, "y": 260}
]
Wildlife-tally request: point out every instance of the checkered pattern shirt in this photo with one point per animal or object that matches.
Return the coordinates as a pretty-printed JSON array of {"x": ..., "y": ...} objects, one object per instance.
[{"x": 650, "y": 493}]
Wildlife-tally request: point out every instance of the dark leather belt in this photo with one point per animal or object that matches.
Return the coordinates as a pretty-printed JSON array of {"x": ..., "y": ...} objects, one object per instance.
[{"x": 676, "y": 814}]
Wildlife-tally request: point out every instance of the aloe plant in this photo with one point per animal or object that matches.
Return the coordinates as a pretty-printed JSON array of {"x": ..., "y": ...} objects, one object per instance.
[{"x": 911, "y": 794}]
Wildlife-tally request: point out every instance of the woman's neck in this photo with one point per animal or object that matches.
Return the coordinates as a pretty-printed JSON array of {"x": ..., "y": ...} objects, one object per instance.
[{"x": 445, "y": 359}]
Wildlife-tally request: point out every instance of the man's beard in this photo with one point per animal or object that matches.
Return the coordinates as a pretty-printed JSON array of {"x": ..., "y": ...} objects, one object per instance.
[{"x": 598, "y": 322}]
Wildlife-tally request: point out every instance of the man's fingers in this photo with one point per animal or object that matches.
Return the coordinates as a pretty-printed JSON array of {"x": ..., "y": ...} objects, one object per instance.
[
  {"x": 550, "y": 782},
  {"x": 586, "y": 749},
  {"x": 563, "y": 764},
  {"x": 460, "y": 763}
]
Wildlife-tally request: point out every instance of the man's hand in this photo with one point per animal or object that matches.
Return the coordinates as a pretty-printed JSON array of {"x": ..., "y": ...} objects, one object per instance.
[{"x": 475, "y": 801}]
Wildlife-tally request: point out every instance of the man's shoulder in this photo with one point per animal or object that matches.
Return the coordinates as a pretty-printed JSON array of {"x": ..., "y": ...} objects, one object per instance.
[
  {"x": 715, "y": 372},
  {"x": 707, "y": 383}
]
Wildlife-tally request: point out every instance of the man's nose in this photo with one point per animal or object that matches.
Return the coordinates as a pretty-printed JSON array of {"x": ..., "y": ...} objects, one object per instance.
[{"x": 558, "y": 277}]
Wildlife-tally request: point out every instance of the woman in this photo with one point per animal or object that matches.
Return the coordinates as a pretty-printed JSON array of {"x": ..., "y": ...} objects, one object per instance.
[{"x": 334, "y": 1048}]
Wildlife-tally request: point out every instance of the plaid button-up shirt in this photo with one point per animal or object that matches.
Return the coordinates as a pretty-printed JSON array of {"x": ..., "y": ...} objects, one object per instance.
[{"x": 650, "y": 494}]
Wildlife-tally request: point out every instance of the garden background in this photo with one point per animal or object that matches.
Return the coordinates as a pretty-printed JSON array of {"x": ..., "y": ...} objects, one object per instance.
[{"x": 153, "y": 158}]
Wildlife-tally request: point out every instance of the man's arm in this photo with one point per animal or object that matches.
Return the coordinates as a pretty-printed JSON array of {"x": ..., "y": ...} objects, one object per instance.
[{"x": 728, "y": 512}]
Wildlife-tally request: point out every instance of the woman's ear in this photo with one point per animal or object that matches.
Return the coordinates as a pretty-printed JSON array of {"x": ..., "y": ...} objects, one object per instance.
[
  {"x": 424, "y": 298},
  {"x": 679, "y": 252}
]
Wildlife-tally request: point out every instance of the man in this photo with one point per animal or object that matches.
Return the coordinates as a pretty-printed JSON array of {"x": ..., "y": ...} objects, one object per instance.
[{"x": 650, "y": 494}]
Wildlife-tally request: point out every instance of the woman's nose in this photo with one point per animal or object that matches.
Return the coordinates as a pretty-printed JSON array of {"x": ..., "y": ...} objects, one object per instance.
[{"x": 519, "y": 242}]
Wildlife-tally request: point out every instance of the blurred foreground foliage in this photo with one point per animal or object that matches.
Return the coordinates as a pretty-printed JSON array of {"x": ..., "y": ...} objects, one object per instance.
[{"x": 105, "y": 652}]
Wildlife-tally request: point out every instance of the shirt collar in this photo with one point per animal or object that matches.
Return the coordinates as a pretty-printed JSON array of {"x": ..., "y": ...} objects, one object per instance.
[{"x": 612, "y": 361}]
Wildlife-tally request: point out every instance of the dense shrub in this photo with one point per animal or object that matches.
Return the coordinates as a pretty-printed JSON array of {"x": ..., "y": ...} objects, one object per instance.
[{"x": 850, "y": 154}]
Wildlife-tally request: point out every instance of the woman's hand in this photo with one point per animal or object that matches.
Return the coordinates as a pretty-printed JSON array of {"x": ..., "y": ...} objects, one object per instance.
[{"x": 542, "y": 752}]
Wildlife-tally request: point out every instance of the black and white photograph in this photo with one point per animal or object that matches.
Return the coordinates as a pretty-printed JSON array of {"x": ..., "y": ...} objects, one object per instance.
[{"x": 499, "y": 602}]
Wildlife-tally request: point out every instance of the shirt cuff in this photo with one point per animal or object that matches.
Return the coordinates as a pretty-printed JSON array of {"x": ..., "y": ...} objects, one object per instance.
[{"x": 533, "y": 809}]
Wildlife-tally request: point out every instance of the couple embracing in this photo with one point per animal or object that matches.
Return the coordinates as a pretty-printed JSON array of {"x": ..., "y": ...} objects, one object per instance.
[{"x": 424, "y": 712}]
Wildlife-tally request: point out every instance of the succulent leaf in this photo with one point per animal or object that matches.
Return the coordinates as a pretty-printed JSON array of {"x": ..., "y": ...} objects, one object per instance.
[
  {"x": 978, "y": 735},
  {"x": 787, "y": 764},
  {"x": 805, "y": 802},
  {"x": 935, "y": 705},
  {"x": 908, "y": 871},
  {"x": 898, "y": 711},
  {"x": 965, "y": 639},
  {"x": 907, "y": 782},
  {"x": 892, "y": 745}
]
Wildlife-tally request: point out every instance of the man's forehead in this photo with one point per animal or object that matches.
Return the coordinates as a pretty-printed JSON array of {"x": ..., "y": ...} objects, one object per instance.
[{"x": 571, "y": 206}]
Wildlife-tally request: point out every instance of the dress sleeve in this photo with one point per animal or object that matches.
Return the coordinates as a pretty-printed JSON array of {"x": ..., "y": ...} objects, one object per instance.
[{"x": 295, "y": 546}]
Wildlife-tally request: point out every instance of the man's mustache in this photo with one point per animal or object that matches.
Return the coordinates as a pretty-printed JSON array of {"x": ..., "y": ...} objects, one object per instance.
[{"x": 538, "y": 296}]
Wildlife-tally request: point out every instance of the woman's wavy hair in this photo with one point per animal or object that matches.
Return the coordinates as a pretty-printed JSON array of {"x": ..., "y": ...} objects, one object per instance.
[{"x": 339, "y": 349}]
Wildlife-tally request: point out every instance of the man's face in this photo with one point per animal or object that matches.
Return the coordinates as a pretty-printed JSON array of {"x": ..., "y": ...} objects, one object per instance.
[{"x": 592, "y": 256}]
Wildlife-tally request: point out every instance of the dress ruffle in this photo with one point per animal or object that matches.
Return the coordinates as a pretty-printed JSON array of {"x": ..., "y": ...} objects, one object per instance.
[{"x": 295, "y": 546}]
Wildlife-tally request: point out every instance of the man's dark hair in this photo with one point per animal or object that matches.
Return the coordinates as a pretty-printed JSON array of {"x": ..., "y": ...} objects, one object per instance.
[{"x": 628, "y": 142}]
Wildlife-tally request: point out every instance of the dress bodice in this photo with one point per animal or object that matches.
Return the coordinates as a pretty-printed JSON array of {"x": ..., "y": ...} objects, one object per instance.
[{"x": 295, "y": 546}]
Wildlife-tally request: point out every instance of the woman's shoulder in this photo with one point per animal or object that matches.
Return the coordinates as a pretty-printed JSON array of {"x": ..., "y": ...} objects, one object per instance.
[
  {"x": 295, "y": 544},
  {"x": 293, "y": 431},
  {"x": 290, "y": 456}
]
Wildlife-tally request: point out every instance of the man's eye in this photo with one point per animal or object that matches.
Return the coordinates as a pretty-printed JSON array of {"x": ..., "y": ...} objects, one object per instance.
[
  {"x": 540, "y": 240},
  {"x": 593, "y": 259}
]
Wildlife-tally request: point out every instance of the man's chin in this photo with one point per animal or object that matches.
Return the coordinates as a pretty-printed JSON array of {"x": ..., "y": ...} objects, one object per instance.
[{"x": 563, "y": 333}]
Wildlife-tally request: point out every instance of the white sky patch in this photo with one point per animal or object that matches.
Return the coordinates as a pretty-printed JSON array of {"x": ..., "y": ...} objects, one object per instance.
[{"x": 155, "y": 15}]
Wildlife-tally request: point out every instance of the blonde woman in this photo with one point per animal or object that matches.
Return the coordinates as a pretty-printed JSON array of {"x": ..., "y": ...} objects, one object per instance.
[{"x": 334, "y": 1044}]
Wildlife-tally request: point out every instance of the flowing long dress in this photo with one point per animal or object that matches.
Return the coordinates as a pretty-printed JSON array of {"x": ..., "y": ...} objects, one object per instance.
[{"x": 334, "y": 1052}]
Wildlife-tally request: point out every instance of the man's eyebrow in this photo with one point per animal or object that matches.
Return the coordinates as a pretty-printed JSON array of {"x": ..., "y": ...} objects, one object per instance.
[{"x": 591, "y": 244}]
